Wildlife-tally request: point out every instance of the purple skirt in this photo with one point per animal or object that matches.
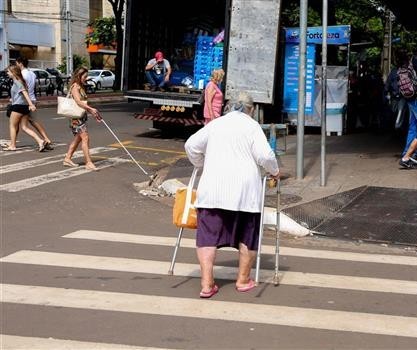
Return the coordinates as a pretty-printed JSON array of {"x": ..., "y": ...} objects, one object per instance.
[{"x": 227, "y": 228}]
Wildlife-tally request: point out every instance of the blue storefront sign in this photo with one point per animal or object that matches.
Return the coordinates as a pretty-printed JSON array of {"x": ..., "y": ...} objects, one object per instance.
[
  {"x": 292, "y": 53},
  {"x": 336, "y": 35}
]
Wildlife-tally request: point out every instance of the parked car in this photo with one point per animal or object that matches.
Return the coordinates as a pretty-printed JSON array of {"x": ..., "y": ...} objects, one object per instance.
[
  {"x": 45, "y": 81},
  {"x": 103, "y": 78}
]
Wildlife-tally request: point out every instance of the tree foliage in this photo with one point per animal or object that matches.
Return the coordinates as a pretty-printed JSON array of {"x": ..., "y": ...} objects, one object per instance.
[
  {"x": 77, "y": 61},
  {"x": 366, "y": 18},
  {"x": 103, "y": 31}
]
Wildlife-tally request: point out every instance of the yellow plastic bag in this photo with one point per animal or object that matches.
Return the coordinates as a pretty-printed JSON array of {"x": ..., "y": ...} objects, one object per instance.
[{"x": 184, "y": 213}]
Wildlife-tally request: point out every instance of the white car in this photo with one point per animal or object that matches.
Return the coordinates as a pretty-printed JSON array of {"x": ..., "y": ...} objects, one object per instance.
[
  {"x": 45, "y": 81},
  {"x": 103, "y": 78}
]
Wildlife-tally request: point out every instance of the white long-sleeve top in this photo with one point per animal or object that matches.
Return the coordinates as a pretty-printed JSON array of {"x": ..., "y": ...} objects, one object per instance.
[{"x": 232, "y": 149}]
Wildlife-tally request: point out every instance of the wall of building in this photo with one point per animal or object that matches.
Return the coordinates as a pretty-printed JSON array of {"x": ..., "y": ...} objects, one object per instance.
[{"x": 53, "y": 12}]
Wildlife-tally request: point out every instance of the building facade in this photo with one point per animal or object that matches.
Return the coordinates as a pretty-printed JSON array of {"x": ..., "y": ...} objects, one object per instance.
[{"x": 37, "y": 29}]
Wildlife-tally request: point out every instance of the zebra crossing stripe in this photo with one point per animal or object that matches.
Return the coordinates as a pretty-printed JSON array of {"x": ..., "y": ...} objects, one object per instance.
[
  {"x": 366, "y": 284},
  {"x": 57, "y": 176},
  {"x": 48, "y": 160},
  {"x": 211, "y": 309},
  {"x": 24, "y": 343},
  {"x": 25, "y": 149},
  {"x": 266, "y": 249}
]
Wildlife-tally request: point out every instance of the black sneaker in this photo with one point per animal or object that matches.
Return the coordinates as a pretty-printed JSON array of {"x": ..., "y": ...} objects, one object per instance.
[
  {"x": 413, "y": 160},
  {"x": 408, "y": 164}
]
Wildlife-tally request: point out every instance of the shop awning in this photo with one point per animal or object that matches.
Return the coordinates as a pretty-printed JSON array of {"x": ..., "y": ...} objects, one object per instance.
[{"x": 29, "y": 33}]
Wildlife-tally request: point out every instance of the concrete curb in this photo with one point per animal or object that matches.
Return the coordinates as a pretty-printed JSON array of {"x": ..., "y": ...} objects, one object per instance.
[{"x": 287, "y": 225}]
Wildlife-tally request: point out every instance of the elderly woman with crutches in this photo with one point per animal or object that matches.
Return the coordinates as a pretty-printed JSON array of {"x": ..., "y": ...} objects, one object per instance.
[{"x": 232, "y": 150}]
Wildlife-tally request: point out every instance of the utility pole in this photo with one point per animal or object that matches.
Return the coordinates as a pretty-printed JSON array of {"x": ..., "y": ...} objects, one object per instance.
[
  {"x": 386, "y": 52},
  {"x": 301, "y": 89},
  {"x": 68, "y": 37}
]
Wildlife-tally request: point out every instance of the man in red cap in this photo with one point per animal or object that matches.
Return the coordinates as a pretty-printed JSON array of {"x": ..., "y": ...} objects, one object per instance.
[{"x": 157, "y": 71}]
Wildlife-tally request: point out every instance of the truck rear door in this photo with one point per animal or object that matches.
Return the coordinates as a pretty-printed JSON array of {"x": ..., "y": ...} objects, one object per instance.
[{"x": 252, "y": 53}]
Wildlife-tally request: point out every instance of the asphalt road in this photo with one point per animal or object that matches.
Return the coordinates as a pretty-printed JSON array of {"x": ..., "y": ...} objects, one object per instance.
[{"x": 85, "y": 260}]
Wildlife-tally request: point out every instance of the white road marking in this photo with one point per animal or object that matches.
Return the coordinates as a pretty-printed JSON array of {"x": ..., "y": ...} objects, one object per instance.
[
  {"x": 26, "y": 149},
  {"x": 13, "y": 342},
  {"x": 212, "y": 309},
  {"x": 266, "y": 249},
  {"x": 57, "y": 176},
  {"x": 48, "y": 160},
  {"x": 366, "y": 284}
]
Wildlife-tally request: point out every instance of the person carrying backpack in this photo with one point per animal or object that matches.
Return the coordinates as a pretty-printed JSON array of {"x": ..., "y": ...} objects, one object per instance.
[{"x": 407, "y": 86}]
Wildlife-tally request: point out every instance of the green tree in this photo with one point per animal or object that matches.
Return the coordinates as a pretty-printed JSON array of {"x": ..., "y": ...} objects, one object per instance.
[
  {"x": 77, "y": 61},
  {"x": 104, "y": 31},
  {"x": 366, "y": 18}
]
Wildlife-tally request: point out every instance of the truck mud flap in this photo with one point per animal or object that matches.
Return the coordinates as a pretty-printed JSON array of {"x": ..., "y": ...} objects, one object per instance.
[{"x": 170, "y": 120}]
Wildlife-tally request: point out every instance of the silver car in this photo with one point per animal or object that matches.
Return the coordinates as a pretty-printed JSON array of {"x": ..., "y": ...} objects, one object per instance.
[
  {"x": 102, "y": 77},
  {"x": 45, "y": 81}
]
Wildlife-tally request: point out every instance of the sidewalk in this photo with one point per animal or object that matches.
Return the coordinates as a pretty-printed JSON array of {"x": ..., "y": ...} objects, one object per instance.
[
  {"x": 356, "y": 162},
  {"x": 51, "y": 101}
]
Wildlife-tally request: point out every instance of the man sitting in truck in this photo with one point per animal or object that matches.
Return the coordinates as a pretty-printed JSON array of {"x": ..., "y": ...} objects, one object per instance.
[{"x": 158, "y": 71}]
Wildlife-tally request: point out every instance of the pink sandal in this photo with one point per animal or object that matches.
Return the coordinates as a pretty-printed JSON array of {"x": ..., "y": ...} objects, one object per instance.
[
  {"x": 210, "y": 293},
  {"x": 251, "y": 284}
]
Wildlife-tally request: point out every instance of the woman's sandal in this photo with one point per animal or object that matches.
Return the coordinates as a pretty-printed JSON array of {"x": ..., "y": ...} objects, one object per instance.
[
  {"x": 7, "y": 148},
  {"x": 210, "y": 293},
  {"x": 91, "y": 167},
  {"x": 251, "y": 284},
  {"x": 42, "y": 147},
  {"x": 70, "y": 163}
]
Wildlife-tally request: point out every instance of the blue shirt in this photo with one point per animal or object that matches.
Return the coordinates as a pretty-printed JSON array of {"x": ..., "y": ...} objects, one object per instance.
[{"x": 17, "y": 93}]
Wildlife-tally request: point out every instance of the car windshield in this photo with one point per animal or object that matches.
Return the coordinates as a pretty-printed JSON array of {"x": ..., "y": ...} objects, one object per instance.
[{"x": 93, "y": 73}]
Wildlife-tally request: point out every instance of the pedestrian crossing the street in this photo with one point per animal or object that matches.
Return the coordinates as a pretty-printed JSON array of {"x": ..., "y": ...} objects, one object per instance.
[
  {"x": 252, "y": 311},
  {"x": 35, "y": 181}
]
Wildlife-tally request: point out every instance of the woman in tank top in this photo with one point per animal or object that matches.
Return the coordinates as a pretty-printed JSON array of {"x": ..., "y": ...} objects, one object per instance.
[
  {"x": 79, "y": 125},
  {"x": 213, "y": 96}
]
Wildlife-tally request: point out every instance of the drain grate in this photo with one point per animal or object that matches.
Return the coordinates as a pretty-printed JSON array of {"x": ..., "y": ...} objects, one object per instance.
[
  {"x": 313, "y": 213},
  {"x": 374, "y": 214}
]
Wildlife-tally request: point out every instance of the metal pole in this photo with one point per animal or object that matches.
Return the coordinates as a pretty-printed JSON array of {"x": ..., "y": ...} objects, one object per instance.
[
  {"x": 301, "y": 89},
  {"x": 261, "y": 114},
  {"x": 122, "y": 73},
  {"x": 68, "y": 34},
  {"x": 324, "y": 95}
]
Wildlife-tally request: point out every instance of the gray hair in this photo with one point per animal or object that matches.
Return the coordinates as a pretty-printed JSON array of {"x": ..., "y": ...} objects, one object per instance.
[{"x": 242, "y": 103}]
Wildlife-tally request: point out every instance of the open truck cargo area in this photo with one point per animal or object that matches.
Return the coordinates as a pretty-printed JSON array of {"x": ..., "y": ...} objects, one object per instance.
[{"x": 183, "y": 31}]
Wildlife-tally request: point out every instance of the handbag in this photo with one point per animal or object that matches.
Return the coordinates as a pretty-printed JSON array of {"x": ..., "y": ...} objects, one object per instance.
[
  {"x": 9, "y": 110},
  {"x": 67, "y": 107},
  {"x": 184, "y": 213}
]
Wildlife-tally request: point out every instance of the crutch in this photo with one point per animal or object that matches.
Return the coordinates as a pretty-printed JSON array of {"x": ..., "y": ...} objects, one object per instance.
[
  {"x": 277, "y": 229},
  {"x": 151, "y": 177},
  {"x": 184, "y": 218},
  {"x": 261, "y": 231}
]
